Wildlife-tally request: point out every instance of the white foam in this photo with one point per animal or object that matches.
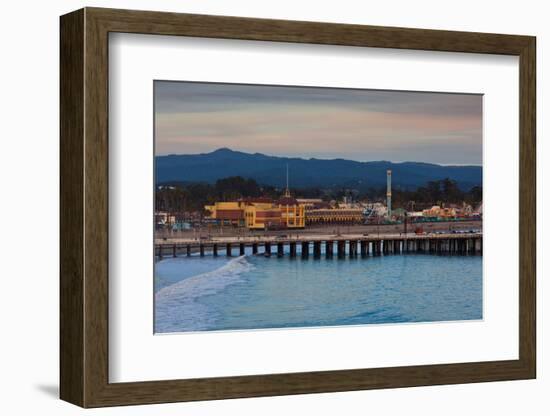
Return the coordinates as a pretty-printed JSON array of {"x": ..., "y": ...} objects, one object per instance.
[{"x": 176, "y": 306}]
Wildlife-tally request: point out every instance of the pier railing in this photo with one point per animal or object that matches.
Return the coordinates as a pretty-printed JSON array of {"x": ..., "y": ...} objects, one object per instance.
[{"x": 333, "y": 245}]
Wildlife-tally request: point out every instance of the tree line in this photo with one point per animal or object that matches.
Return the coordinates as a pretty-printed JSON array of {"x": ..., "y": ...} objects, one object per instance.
[
  {"x": 187, "y": 197},
  {"x": 439, "y": 192}
]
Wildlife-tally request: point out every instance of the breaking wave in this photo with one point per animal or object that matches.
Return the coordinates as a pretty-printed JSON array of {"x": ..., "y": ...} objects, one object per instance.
[{"x": 176, "y": 306}]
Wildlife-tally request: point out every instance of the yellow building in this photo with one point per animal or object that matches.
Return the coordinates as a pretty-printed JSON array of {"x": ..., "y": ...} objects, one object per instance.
[
  {"x": 311, "y": 203},
  {"x": 259, "y": 213},
  {"x": 227, "y": 213},
  {"x": 335, "y": 216},
  {"x": 262, "y": 216},
  {"x": 293, "y": 214}
]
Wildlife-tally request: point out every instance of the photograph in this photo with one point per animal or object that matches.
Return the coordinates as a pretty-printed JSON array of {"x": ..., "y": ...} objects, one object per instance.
[
  {"x": 278, "y": 204},
  {"x": 296, "y": 206}
]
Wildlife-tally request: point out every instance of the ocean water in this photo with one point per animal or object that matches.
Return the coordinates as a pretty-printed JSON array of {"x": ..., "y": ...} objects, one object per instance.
[{"x": 255, "y": 292}]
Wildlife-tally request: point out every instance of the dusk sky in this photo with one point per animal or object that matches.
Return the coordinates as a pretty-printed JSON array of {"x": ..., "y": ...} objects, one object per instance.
[{"x": 324, "y": 123}]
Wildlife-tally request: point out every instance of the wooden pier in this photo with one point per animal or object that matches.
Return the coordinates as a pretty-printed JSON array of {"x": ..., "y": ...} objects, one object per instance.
[{"x": 351, "y": 246}]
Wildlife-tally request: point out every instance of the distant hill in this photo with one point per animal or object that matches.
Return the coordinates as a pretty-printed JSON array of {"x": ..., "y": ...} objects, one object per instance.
[{"x": 305, "y": 173}]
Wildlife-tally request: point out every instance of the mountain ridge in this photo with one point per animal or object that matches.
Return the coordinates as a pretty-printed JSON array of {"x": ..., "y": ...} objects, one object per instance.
[{"x": 307, "y": 173}]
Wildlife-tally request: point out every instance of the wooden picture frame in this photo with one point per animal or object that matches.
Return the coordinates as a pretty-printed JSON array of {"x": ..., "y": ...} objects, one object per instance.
[{"x": 84, "y": 207}]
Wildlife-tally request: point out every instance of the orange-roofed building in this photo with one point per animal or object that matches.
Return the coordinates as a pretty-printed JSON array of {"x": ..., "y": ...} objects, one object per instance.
[{"x": 259, "y": 213}]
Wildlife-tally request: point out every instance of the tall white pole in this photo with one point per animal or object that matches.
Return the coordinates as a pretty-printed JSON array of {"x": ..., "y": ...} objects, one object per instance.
[
  {"x": 388, "y": 192},
  {"x": 287, "y": 177},
  {"x": 287, "y": 192}
]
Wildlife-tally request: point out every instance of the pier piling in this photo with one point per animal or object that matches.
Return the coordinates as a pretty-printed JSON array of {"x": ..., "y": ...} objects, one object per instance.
[
  {"x": 451, "y": 244},
  {"x": 341, "y": 246},
  {"x": 292, "y": 248},
  {"x": 376, "y": 248},
  {"x": 364, "y": 245},
  {"x": 353, "y": 248},
  {"x": 316, "y": 249},
  {"x": 280, "y": 250},
  {"x": 305, "y": 249},
  {"x": 329, "y": 249}
]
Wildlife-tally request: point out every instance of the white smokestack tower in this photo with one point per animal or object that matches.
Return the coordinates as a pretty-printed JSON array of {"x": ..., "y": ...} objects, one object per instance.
[{"x": 388, "y": 192}]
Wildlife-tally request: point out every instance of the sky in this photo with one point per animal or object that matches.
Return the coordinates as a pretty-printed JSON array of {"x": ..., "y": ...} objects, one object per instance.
[{"x": 325, "y": 123}]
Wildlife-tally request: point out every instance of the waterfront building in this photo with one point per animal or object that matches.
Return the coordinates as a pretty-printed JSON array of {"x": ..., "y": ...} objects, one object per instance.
[
  {"x": 335, "y": 216},
  {"x": 462, "y": 210},
  {"x": 293, "y": 214},
  {"x": 313, "y": 203},
  {"x": 163, "y": 218},
  {"x": 262, "y": 215},
  {"x": 439, "y": 212},
  {"x": 227, "y": 213},
  {"x": 259, "y": 213}
]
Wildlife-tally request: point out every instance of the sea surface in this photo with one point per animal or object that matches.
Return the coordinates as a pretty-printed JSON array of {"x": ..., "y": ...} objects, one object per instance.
[{"x": 255, "y": 292}]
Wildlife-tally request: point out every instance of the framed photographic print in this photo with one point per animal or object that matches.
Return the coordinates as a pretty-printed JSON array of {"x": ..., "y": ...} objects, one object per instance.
[{"x": 255, "y": 207}]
